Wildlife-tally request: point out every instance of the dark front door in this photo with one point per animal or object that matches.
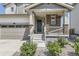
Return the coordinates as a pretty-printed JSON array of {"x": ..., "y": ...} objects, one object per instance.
[{"x": 39, "y": 26}]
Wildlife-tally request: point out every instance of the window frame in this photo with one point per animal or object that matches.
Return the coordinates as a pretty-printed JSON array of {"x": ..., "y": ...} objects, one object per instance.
[{"x": 53, "y": 19}]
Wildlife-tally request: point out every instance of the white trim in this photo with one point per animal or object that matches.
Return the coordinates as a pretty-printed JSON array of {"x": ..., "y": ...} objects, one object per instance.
[
  {"x": 61, "y": 4},
  {"x": 56, "y": 35},
  {"x": 66, "y": 5},
  {"x": 48, "y": 10},
  {"x": 53, "y": 20}
]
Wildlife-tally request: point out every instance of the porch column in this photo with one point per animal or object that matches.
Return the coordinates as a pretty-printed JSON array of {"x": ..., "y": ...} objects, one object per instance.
[
  {"x": 45, "y": 29},
  {"x": 32, "y": 25},
  {"x": 66, "y": 23}
]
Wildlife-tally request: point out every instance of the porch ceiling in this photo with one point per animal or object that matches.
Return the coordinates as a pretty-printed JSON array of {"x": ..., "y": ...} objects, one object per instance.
[{"x": 43, "y": 12}]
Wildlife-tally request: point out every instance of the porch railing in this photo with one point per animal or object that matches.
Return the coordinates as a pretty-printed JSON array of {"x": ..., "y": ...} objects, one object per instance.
[{"x": 54, "y": 29}]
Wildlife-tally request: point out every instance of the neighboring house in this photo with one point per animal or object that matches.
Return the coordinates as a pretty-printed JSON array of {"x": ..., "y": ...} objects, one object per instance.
[
  {"x": 75, "y": 18},
  {"x": 35, "y": 21}
]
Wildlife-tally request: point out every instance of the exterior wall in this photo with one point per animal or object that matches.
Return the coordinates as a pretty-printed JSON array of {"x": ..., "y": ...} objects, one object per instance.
[
  {"x": 21, "y": 8},
  {"x": 18, "y": 8},
  {"x": 75, "y": 18},
  {"x": 14, "y": 19},
  {"x": 8, "y": 9}
]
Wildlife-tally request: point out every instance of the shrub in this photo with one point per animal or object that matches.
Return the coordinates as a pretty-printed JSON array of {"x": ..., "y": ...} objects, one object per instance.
[
  {"x": 77, "y": 39},
  {"x": 54, "y": 48},
  {"x": 62, "y": 41},
  {"x": 76, "y": 47},
  {"x": 27, "y": 49}
]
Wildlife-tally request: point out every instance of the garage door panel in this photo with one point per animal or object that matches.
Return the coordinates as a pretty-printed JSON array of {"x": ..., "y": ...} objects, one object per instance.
[{"x": 13, "y": 33}]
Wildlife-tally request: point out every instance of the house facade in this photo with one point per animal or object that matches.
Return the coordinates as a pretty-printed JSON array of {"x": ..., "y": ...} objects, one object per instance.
[
  {"x": 35, "y": 21},
  {"x": 75, "y": 18}
]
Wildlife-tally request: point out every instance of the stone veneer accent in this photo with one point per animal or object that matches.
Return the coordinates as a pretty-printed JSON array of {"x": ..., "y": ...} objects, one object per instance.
[{"x": 66, "y": 29}]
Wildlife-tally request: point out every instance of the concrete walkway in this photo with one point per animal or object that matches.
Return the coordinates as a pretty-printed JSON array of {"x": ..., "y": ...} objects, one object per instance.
[
  {"x": 9, "y": 47},
  {"x": 41, "y": 49},
  {"x": 68, "y": 51}
]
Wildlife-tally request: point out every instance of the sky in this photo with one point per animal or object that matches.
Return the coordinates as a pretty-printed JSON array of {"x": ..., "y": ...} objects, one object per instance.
[{"x": 1, "y": 9}]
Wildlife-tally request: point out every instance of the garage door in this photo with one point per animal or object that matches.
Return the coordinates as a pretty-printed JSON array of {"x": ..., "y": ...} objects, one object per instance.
[{"x": 14, "y": 32}]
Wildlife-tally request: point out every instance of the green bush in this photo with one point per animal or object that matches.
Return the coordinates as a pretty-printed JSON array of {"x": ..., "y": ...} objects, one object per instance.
[
  {"x": 62, "y": 41},
  {"x": 54, "y": 48},
  {"x": 76, "y": 47},
  {"x": 77, "y": 39},
  {"x": 27, "y": 49}
]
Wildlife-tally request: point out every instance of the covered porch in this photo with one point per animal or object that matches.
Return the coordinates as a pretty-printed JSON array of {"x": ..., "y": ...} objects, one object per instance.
[{"x": 51, "y": 22}]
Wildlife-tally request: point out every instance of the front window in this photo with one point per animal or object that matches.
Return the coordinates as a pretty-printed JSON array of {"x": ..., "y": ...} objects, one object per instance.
[{"x": 53, "y": 20}]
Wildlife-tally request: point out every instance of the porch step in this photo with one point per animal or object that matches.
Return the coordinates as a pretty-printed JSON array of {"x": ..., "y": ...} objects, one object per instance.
[
  {"x": 37, "y": 36},
  {"x": 40, "y": 43}
]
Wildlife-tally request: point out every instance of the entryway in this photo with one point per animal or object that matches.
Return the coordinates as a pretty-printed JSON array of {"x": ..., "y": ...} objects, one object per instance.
[{"x": 39, "y": 26}]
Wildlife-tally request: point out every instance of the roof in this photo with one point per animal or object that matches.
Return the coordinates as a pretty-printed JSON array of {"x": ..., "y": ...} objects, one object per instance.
[{"x": 61, "y": 4}]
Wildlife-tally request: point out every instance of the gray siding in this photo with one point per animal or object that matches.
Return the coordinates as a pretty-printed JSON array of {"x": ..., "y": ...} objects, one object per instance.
[{"x": 75, "y": 18}]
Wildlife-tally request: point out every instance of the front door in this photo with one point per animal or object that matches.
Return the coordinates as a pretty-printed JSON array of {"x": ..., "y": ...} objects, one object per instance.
[{"x": 39, "y": 26}]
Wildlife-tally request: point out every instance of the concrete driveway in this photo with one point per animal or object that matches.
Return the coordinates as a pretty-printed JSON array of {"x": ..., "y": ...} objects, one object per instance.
[{"x": 9, "y": 47}]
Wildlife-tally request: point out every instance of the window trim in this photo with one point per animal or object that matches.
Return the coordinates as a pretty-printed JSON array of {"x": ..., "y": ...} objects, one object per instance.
[{"x": 53, "y": 20}]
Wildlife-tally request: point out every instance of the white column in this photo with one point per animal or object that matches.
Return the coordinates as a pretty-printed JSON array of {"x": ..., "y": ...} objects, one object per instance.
[
  {"x": 62, "y": 21},
  {"x": 66, "y": 20},
  {"x": 45, "y": 29},
  {"x": 32, "y": 27}
]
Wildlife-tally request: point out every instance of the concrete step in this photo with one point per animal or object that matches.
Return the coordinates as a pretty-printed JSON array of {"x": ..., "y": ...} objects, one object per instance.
[
  {"x": 37, "y": 36},
  {"x": 40, "y": 43}
]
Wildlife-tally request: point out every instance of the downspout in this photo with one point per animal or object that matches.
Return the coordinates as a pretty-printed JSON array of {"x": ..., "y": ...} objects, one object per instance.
[
  {"x": 70, "y": 23},
  {"x": 63, "y": 22}
]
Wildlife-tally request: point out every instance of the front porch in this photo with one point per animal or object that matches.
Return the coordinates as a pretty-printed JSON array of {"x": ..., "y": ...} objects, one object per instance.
[{"x": 49, "y": 23}]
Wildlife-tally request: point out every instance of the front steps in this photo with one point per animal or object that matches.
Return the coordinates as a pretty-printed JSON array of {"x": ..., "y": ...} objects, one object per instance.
[
  {"x": 39, "y": 40},
  {"x": 37, "y": 36}
]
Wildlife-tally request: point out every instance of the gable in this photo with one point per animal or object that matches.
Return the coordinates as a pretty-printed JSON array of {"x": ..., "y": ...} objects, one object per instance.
[{"x": 48, "y": 6}]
